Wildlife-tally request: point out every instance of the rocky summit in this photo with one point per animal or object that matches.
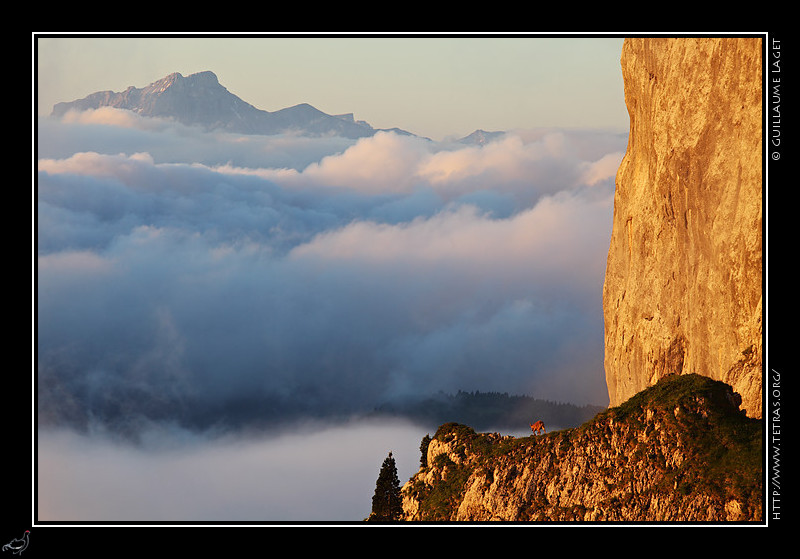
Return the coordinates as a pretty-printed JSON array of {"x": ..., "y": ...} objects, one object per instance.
[{"x": 679, "y": 451}]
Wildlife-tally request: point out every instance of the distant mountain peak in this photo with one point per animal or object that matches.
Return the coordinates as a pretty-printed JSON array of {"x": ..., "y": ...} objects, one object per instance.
[
  {"x": 200, "y": 100},
  {"x": 205, "y": 74},
  {"x": 206, "y": 77},
  {"x": 170, "y": 78},
  {"x": 481, "y": 137}
]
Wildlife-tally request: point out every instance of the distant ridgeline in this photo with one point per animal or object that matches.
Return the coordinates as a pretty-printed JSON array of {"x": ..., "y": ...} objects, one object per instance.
[{"x": 490, "y": 410}]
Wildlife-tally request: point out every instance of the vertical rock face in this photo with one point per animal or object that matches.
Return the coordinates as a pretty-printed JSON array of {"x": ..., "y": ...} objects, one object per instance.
[{"x": 683, "y": 283}]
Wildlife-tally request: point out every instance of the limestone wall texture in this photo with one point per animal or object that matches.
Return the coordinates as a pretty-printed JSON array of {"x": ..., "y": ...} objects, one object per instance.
[{"x": 683, "y": 286}]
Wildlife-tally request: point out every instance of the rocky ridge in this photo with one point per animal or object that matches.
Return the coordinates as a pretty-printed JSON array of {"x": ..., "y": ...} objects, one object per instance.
[
  {"x": 681, "y": 450},
  {"x": 200, "y": 100}
]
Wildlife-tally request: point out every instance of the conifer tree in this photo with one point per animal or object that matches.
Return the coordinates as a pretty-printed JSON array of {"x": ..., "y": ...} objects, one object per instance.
[
  {"x": 386, "y": 502},
  {"x": 423, "y": 451}
]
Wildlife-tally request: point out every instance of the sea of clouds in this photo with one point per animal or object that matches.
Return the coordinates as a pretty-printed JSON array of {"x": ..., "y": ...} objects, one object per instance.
[{"x": 200, "y": 281}]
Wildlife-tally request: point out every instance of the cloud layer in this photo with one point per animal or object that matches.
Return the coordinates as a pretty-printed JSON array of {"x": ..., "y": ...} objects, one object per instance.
[
  {"x": 194, "y": 278},
  {"x": 314, "y": 473}
]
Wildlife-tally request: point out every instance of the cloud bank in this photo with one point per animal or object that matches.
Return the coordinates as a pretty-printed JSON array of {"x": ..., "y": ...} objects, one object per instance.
[
  {"x": 316, "y": 473},
  {"x": 202, "y": 278}
]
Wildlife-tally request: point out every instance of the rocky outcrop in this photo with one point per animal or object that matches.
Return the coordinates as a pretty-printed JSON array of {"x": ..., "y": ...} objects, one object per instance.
[
  {"x": 683, "y": 286},
  {"x": 679, "y": 451}
]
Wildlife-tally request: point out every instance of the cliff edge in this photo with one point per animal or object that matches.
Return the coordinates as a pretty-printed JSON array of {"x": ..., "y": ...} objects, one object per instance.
[{"x": 683, "y": 283}]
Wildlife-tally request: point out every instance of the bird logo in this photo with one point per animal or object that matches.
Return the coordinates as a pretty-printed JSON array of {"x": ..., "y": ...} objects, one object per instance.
[{"x": 18, "y": 545}]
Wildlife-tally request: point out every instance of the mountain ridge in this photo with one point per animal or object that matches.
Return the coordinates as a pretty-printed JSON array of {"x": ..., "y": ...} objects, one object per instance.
[{"x": 200, "y": 100}]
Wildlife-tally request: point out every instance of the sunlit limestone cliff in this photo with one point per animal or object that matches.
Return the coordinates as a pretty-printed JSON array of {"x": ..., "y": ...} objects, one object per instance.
[
  {"x": 681, "y": 450},
  {"x": 683, "y": 284}
]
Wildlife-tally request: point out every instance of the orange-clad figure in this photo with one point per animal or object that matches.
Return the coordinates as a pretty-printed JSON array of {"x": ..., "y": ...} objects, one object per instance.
[{"x": 537, "y": 427}]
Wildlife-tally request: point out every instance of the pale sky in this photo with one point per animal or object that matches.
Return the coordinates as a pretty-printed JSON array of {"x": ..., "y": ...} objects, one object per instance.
[{"x": 431, "y": 86}]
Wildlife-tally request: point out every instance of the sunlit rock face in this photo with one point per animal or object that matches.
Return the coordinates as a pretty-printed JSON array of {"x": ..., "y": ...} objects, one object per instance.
[
  {"x": 683, "y": 286},
  {"x": 678, "y": 451}
]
